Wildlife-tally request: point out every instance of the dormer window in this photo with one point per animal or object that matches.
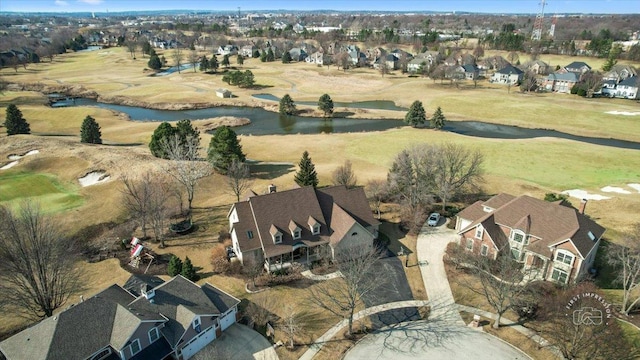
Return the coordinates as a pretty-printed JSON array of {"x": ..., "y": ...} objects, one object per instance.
[
  {"x": 196, "y": 324},
  {"x": 275, "y": 234},
  {"x": 296, "y": 232},
  {"x": 479, "y": 231},
  {"x": 314, "y": 226}
]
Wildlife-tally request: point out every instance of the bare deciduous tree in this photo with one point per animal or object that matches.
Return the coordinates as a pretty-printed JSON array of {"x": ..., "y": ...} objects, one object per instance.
[
  {"x": 137, "y": 198},
  {"x": 37, "y": 263},
  {"x": 252, "y": 269},
  {"x": 259, "y": 309},
  {"x": 456, "y": 167},
  {"x": 344, "y": 175},
  {"x": 193, "y": 59},
  {"x": 238, "y": 178},
  {"x": 291, "y": 323},
  {"x": 132, "y": 45},
  {"x": 376, "y": 190},
  {"x": 176, "y": 55},
  {"x": 343, "y": 295},
  {"x": 626, "y": 258},
  {"x": 184, "y": 163},
  {"x": 160, "y": 207},
  {"x": 501, "y": 281}
]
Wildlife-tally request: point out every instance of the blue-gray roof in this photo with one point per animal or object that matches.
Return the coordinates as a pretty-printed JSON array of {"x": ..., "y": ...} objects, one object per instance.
[
  {"x": 630, "y": 81},
  {"x": 569, "y": 76},
  {"x": 510, "y": 69},
  {"x": 577, "y": 65}
]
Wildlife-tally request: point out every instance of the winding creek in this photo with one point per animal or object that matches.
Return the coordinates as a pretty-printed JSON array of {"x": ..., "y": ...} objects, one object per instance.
[{"x": 264, "y": 122}]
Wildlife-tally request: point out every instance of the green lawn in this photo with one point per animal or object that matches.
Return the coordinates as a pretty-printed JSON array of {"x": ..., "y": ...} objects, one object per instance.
[{"x": 52, "y": 195}]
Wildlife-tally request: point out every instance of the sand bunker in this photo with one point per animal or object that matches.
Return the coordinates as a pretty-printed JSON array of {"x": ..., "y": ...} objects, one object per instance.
[
  {"x": 582, "y": 194},
  {"x": 28, "y": 153},
  {"x": 634, "y": 186},
  {"x": 627, "y": 113},
  {"x": 93, "y": 178},
  {"x": 615, "y": 189},
  {"x": 9, "y": 165}
]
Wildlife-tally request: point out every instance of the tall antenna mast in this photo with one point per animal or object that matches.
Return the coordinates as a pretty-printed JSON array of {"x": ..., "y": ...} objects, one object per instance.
[
  {"x": 552, "y": 30},
  {"x": 536, "y": 35}
]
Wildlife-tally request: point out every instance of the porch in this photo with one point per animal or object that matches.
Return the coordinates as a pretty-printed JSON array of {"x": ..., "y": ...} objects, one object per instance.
[{"x": 300, "y": 253}]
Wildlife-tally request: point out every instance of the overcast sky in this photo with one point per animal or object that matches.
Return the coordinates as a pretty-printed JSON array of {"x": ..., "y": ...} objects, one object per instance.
[{"x": 486, "y": 6}]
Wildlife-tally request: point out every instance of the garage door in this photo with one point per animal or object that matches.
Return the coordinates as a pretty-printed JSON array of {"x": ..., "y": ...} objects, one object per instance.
[
  {"x": 228, "y": 320},
  {"x": 198, "y": 342}
]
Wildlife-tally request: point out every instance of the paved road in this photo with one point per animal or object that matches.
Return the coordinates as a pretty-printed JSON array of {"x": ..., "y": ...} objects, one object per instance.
[
  {"x": 433, "y": 340},
  {"x": 432, "y": 243},
  {"x": 238, "y": 342}
]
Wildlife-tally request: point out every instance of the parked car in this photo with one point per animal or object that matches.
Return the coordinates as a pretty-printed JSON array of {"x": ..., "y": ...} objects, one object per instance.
[{"x": 433, "y": 219}]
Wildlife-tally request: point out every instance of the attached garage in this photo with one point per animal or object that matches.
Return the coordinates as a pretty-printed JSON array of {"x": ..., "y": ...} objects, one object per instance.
[
  {"x": 198, "y": 342},
  {"x": 228, "y": 318}
]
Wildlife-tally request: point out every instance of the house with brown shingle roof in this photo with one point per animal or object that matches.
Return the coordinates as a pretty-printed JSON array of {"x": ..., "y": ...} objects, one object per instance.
[
  {"x": 300, "y": 225},
  {"x": 551, "y": 240}
]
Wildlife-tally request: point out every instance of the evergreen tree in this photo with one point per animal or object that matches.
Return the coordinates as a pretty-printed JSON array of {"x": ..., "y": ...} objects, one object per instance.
[
  {"x": 225, "y": 61},
  {"x": 256, "y": 54},
  {"x": 204, "y": 64},
  {"x": 287, "y": 106},
  {"x": 224, "y": 147},
  {"x": 247, "y": 80},
  {"x": 175, "y": 266},
  {"x": 263, "y": 56},
  {"x": 164, "y": 130},
  {"x": 286, "y": 57},
  {"x": 90, "y": 131},
  {"x": 188, "y": 271},
  {"x": 306, "y": 175},
  {"x": 270, "y": 55},
  {"x": 14, "y": 122},
  {"x": 154, "y": 62},
  {"x": 438, "y": 119},
  {"x": 325, "y": 104},
  {"x": 213, "y": 63},
  {"x": 240, "y": 60},
  {"x": 185, "y": 129},
  {"x": 416, "y": 114}
]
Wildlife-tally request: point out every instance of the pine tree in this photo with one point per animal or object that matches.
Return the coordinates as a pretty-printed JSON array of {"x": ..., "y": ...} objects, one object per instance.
[
  {"x": 270, "y": 55},
  {"x": 240, "y": 59},
  {"x": 306, "y": 175},
  {"x": 286, "y": 57},
  {"x": 90, "y": 131},
  {"x": 325, "y": 104},
  {"x": 287, "y": 106},
  {"x": 175, "y": 266},
  {"x": 204, "y": 64},
  {"x": 188, "y": 271},
  {"x": 164, "y": 130},
  {"x": 213, "y": 63},
  {"x": 225, "y": 61},
  {"x": 224, "y": 147},
  {"x": 438, "y": 119},
  {"x": 416, "y": 114},
  {"x": 154, "y": 62},
  {"x": 14, "y": 122}
]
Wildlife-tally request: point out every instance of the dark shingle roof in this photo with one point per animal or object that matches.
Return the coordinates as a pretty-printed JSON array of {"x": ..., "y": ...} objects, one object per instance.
[
  {"x": 577, "y": 65},
  {"x": 630, "y": 81},
  {"x": 136, "y": 281},
  {"x": 510, "y": 69}
]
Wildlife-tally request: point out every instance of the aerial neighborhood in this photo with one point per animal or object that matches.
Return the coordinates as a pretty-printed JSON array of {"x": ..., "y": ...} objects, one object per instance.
[{"x": 319, "y": 184}]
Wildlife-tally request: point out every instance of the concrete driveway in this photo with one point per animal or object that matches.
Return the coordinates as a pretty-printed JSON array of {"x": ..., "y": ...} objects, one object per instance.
[
  {"x": 432, "y": 340},
  {"x": 238, "y": 342}
]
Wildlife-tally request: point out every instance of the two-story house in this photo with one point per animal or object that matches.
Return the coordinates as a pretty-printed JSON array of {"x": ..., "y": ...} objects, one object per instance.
[
  {"x": 508, "y": 75},
  {"x": 300, "y": 225},
  {"x": 578, "y": 67},
  {"x": 625, "y": 89},
  {"x": 561, "y": 82},
  {"x": 553, "y": 241},
  {"x": 146, "y": 319}
]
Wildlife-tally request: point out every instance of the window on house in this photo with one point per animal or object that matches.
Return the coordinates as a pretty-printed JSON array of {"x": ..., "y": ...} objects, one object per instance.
[
  {"x": 560, "y": 276},
  {"x": 196, "y": 325},
  {"x": 135, "y": 347},
  {"x": 484, "y": 250},
  {"x": 277, "y": 238},
  {"x": 479, "y": 232},
  {"x": 469, "y": 244},
  {"x": 518, "y": 237},
  {"x": 250, "y": 234},
  {"x": 153, "y": 335},
  {"x": 297, "y": 234},
  {"x": 564, "y": 258},
  {"x": 316, "y": 229}
]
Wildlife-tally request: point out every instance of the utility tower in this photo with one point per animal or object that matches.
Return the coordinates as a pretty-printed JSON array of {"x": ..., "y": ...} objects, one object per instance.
[{"x": 536, "y": 35}]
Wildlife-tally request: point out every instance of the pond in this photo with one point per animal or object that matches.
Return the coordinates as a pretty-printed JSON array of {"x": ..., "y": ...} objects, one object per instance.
[
  {"x": 373, "y": 104},
  {"x": 264, "y": 122}
]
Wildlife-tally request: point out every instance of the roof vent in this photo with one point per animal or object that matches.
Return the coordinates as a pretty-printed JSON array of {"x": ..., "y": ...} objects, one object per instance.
[
  {"x": 591, "y": 236},
  {"x": 271, "y": 189}
]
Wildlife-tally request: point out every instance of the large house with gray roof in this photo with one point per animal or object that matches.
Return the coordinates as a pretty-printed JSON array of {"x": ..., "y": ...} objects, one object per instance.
[
  {"x": 300, "y": 225},
  {"x": 553, "y": 241},
  {"x": 148, "y": 318}
]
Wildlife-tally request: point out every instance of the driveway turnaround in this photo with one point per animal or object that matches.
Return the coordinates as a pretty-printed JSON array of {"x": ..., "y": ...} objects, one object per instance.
[
  {"x": 238, "y": 342},
  {"x": 433, "y": 340}
]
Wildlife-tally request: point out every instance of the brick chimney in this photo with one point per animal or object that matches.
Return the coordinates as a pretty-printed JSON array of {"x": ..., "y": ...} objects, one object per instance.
[{"x": 583, "y": 205}]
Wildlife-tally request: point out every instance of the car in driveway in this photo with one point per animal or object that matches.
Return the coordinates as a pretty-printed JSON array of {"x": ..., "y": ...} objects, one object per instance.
[{"x": 434, "y": 218}]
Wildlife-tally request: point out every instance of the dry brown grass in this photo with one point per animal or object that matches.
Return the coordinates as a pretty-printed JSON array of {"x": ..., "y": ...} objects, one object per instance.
[{"x": 521, "y": 341}]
